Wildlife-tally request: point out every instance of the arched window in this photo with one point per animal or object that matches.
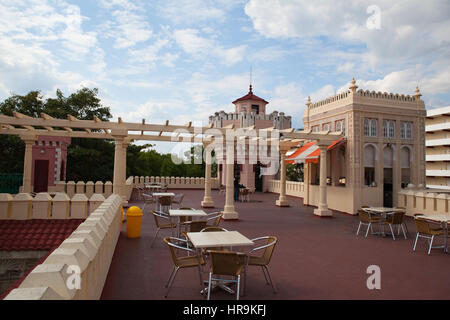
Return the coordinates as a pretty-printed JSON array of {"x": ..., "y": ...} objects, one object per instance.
[
  {"x": 391, "y": 129},
  {"x": 366, "y": 127},
  {"x": 369, "y": 165},
  {"x": 373, "y": 127},
  {"x": 406, "y": 130},
  {"x": 405, "y": 165}
]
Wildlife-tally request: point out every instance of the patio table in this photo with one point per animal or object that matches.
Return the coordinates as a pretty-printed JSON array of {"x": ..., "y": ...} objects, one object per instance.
[
  {"x": 204, "y": 240},
  {"x": 185, "y": 213},
  {"x": 161, "y": 194},
  {"x": 382, "y": 211},
  {"x": 443, "y": 220}
]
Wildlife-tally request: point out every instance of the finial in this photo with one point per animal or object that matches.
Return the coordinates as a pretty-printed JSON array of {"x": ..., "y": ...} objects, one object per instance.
[
  {"x": 353, "y": 86},
  {"x": 250, "y": 89},
  {"x": 308, "y": 101},
  {"x": 417, "y": 93}
]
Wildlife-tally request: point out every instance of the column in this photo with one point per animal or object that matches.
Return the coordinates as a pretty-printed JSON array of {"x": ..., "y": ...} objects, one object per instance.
[
  {"x": 28, "y": 162},
  {"x": 322, "y": 210},
  {"x": 125, "y": 144},
  {"x": 207, "y": 199},
  {"x": 120, "y": 163},
  {"x": 282, "y": 200},
  {"x": 228, "y": 210}
]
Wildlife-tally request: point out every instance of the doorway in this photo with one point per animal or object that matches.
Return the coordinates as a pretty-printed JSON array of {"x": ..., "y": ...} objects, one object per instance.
[
  {"x": 258, "y": 178},
  {"x": 387, "y": 188},
  {"x": 41, "y": 175}
]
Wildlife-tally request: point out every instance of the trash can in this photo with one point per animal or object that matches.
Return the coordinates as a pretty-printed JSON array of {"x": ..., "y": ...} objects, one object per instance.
[{"x": 134, "y": 221}]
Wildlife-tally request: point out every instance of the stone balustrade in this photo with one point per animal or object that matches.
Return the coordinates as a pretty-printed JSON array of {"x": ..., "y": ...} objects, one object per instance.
[
  {"x": 425, "y": 201},
  {"x": 78, "y": 268},
  {"x": 176, "y": 182}
]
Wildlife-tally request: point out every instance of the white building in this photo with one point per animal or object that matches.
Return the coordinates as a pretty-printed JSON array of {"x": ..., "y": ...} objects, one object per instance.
[{"x": 437, "y": 129}]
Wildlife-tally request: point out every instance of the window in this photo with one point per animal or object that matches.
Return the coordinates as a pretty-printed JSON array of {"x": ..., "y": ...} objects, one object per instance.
[
  {"x": 369, "y": 166},
  {"x": 405, "y": 164},
  {"x": 406, "y": 130},
  {"x": 340, "y": 126},
  {"x": 370, "y": 127},
  {"x": 326, "y": 126},
  {"x": 388, "y": 128},
  {"x": 315, "y": 128},
  {"x": 255, "y": 108}
]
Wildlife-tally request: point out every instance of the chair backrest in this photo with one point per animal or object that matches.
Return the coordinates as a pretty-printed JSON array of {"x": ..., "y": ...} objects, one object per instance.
[
  {"x": 226, "y": 262},
  {"x": 364, "y": 216},
  {"x": 197, "y": 226},
  {"x": 244, "y": 192},
  {"x": 179, "y": 197},
  {"x": 158, "y": 215},
  {"x": 397, "y": 217},
  {"x": 212, "y": 229},
  {"x": 364, "y": 206},
  {"x": 172, "y": 244},
  {"x": 423, "y": 226},
  {"x": 215, "y": 218},
  {"x": 165, "y": 201}
]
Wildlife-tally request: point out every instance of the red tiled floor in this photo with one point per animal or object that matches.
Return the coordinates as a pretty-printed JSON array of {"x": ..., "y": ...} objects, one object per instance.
[{"x": 316, "y": 258}]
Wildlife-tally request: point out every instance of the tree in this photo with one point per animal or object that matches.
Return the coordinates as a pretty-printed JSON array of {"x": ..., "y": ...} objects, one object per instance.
[{"x": 294, "y": 172}]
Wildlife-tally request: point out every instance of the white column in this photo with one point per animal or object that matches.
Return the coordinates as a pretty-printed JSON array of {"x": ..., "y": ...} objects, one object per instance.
[
  {"x": 207, "y": 199},
  {"x": 28, "y": 163},
  {"x": 228, "y": 210},
  {"x": 123, "y": 167},
  {"x": 322, "y": 210},
  {"x": 119, "y": 175},
  {"x": 282, "y": 200}
]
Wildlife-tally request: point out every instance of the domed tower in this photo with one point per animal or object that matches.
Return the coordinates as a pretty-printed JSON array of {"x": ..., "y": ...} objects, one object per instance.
[{"x": 250, "y": 110}]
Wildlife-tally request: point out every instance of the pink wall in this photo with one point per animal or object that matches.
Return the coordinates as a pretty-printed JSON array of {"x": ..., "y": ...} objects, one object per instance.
[{"x": 53, "y": 149}]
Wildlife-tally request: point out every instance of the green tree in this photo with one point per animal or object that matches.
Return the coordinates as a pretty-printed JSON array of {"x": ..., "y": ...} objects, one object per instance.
[{"x": 294, "y": 172}]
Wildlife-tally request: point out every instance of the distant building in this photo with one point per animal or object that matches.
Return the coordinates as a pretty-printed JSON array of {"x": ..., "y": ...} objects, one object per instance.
[
  {"x": 250, "y": 110},
  {"x": 437, "y": 128},
  {"x": 383, "y": 150}
]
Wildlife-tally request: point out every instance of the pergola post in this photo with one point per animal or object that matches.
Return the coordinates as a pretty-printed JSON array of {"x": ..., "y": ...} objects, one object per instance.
[
  {"x": 28, "y": 162},
  {"x": 119, "y": 164},
  {"x": 228, "y": 210},
  {"x": 125, "y": 145},
  {"x": 322, "y": 209},
  {"x": 282, "y": 200},
  {"x": 207, "y": 199}
]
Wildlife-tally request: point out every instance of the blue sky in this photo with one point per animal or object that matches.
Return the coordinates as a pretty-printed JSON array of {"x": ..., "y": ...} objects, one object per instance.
[{"x": 182, "y": 60}]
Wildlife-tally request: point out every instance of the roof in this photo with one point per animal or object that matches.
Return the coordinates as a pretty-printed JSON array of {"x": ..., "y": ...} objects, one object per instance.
[
  {"x": 35, "y": 234},
  {"x": 309, "y": 152},
  {"x": 250, "y": 96}
]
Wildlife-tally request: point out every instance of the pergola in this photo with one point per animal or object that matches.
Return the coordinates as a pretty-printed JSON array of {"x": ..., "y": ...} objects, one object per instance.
[{"x": 29, "y": 128}]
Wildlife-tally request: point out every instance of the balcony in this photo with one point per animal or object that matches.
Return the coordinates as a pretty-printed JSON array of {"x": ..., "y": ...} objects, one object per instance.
[
  {"x": 437, "y": 157},
  {"x": 437, "y": 142},
  {"x": 438, "y": 127},
  {"x": 438, "y": 173}
]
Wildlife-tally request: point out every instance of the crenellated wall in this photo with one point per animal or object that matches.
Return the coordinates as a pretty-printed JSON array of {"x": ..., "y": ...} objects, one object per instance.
[{"x": 88, "y": 250}]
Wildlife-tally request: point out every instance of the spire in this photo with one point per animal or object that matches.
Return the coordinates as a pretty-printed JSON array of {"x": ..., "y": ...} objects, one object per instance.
[
  {"x": 353, "y": 86},
  {"x": 250, "y": 89},
  {"x": 308, "y": 102},
  {"x": 417, "y": 93}
]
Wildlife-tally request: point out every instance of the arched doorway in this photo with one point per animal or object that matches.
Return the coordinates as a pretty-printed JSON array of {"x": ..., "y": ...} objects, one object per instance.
[
  {"x": 258, "y": 178},
  {"x": 388, "y": 185}
]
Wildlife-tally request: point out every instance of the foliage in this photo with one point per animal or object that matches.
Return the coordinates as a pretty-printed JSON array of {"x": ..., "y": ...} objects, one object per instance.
[
  {"x": 91, "y": 159},
  {"x": 294, "y": 172}
]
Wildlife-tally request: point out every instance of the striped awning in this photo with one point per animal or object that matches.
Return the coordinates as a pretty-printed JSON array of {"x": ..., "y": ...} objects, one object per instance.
[{"x": 309, "y": 152}]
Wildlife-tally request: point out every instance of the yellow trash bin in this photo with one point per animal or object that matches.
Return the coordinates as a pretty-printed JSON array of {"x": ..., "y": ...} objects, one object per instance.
[{"x": 134, "y": 221}]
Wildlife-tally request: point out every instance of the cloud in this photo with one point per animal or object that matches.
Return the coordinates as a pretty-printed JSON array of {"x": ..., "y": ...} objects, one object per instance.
[
  {"x": 128, "y": 26},
  {"x": 199, "y": 47}
]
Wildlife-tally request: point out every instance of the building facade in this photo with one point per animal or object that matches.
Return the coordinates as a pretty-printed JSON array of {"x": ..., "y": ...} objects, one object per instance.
[
  {"x": 250, "y": 111},
  {"x": 383, "y": 149},
  {"x": 437, "y": 140}
]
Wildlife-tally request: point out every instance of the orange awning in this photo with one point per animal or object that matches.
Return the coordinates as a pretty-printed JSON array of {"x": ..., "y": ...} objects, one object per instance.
[{"x": 309, "y": 152}]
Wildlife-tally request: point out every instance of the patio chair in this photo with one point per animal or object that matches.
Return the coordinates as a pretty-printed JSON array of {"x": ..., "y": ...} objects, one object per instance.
[
  {"x": 226, "y": 263},
  {"x": 159, "y": 217},
  {"x": 402, "y": 209},
  {"x": 395, "y": 219},
  {"x": 165, "y": 203},
  {"x": 181, "y": 262},
  {"x": 178, "y": 199},
  {"x": 194, "y": 226},
  {"x": 425, "y": 231},
  {"x": 213, "y": 219},
  {"x": 245, "y": 195},
  {"x": 148, "y": 199},
  {"x": 262, "y": 260},
  {"x": 222, "y": 189},
  {"x": 365, "y": 218},
  {"x": 213, "y": 229},
  {"x": 164, "y": 187}
]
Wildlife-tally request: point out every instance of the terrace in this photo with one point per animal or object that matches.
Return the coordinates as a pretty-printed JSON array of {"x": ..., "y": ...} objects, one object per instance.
[{"x": 315, "y": 258}]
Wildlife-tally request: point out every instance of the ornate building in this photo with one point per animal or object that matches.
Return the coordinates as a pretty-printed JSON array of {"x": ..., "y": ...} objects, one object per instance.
[
  {"x": 250, "y": 110},
  {"x": 382, "y": 152}
]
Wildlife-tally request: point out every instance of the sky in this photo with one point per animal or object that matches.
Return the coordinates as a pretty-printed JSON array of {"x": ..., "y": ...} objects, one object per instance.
[{"x": 183, "y": 60}]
